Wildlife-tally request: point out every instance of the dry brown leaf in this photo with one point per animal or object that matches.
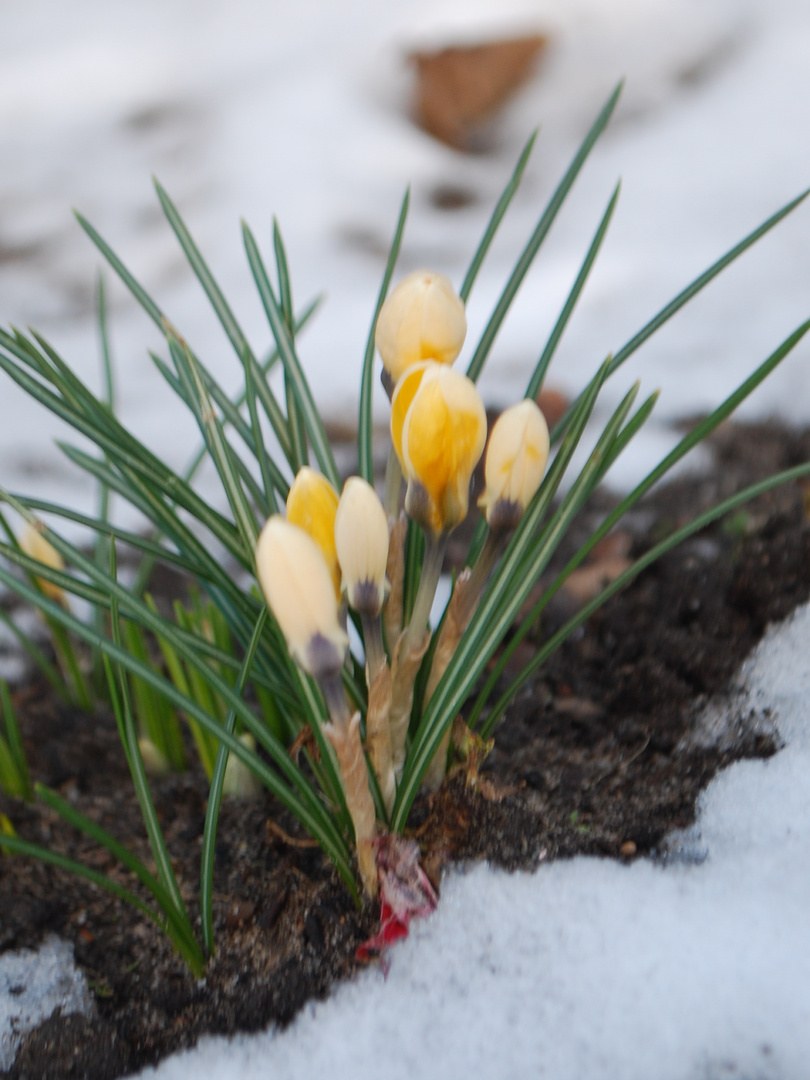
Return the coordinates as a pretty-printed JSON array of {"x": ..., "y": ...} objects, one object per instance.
[
  {"x": 460, "y": 86},
  {"x": 586, "y": 583}
]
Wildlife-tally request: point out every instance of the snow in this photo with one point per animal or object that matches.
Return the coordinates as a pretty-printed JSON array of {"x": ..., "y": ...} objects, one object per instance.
[
  {"x": 588, "y": 968},
  {"x": 32, "y": 986}
]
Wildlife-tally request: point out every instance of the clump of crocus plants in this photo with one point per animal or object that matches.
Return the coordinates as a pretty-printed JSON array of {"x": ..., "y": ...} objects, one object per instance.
[{"x": 372, "y": 723}]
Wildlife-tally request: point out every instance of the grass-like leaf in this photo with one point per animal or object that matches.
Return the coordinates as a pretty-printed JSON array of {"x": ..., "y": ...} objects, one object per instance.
[
  {"x": 496, "y": 218},
  {"x": 692, "y": 439},
  {"x": 292, "y": 365},
  {"x": 538, "y": 236},
  {"x": 365, "y": 463},
  {"x": 797, "y": 472},
  {"x": 215, "y": 799}
]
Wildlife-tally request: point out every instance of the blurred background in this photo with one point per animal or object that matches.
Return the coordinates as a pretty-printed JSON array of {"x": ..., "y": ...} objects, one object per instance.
[{"x": 320, "y": 113}]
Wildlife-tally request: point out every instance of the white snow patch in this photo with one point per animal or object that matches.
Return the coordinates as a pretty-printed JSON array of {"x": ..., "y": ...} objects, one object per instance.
[{"x": 33, "y": 984}]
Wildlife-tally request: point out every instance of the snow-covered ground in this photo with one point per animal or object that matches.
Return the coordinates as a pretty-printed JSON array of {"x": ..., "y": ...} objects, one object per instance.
[{"x": 298, "y": 110}]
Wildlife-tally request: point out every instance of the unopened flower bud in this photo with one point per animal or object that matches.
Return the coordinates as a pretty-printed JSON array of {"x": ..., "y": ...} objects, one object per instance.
[
  {"x": 154, "y": 760},
  {"x": 422, "y": 319},
  {"x": 311, "y": 505},
  {"x": 516, "y": 460},
  {"x": 34, "y": 544},
  {"x": 239, "y": 781},
  {"x": 361, "y": 539},
  {"x": 298, "y": 587},
  {"x": 438, "y": 427}
]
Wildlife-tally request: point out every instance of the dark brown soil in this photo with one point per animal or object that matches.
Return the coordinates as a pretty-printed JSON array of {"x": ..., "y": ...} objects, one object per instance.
[{"x": 602, "y": 755}]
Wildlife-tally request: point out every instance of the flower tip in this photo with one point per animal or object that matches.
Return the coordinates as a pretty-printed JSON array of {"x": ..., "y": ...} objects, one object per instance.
[
  {"x": 361, "y": 541},
  {"x": 422, "y": 319},
  {"x": 516, "y": 461},
  {"x": 439, "y": 428},
  {"x": 312, "y": 504},
  {"x": 298, "y": 587}
]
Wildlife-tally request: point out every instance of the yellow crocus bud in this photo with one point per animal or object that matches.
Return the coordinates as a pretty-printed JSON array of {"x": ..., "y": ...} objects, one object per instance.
[
  {"x": 34, "y": 544},
  {"x": 361, "y": 539},
  {"x": 438, "y": 427},
  {"x": 422, "y": 319},
  {"x": 516, "y": 460},
  {"x": 298, "y": 589},
  {"x": 312, "y": 503}
]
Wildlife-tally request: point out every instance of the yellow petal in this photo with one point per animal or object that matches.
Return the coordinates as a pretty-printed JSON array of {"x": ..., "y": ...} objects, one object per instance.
[
  {"x": 422, "y": 319},
  {"x": 312, "y": 503},
  {"x": 516, "y": 460},
  {"x": 34, "y": 544},
  {"x": 297, "y": 586},
  {"x": 361, "y": 538},
  {"x": 401, "y": 402},
  {"x": 442, "y": 440}
]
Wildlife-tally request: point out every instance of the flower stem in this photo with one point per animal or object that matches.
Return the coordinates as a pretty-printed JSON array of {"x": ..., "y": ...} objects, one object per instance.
[
  {"x": 336, "y": 703},
  {"x": 373, "y": 644},
  {"x": 484, "y": 565},
  {"x": 393, "y": 485},
  {"x": 435, "y": 547}
]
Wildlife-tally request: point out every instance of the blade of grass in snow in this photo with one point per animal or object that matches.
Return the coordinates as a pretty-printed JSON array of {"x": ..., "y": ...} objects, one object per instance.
[
  {"x": 687, "y": 294},
  {"x": 292, "y": 365},
  {"x": 258, "y": 441},
  {"x": 365, "y": 462},
  {"x": 538, "y": 236},
  {"x": 275, "y": 415},
  {"x": 539, "y": 373},
  {"x": 103, "y": 489},
  {"x": 295, "y": 418},
  {"x": 498, "y": 213},
  {"x": 222, "y": 310},
  {"x": 220, "y": 451}
]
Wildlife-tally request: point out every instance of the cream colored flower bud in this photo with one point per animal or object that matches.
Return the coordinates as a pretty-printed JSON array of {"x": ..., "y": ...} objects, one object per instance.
[
  {"x": 239, "y": 781},
  {"x": 422, "y": 319},
  {"x": 311, "y": 505},
  {"x": 438, "y": 428},
  {"x": 34, "y": 544},
  {"x": 516, "y": 460},
  {"x": 361, "y": 539},
  {"x": 298, "y": 588},
  {"x": 154, "y": 760}
]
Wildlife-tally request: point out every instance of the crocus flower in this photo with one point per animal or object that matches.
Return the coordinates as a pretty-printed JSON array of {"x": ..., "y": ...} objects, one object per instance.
[
  {"x": 298, "y": 587},
  {"x": 361, "y": 540},
  {"x": 422, "y": 319},
  {"x": 312, "y": 503},
  {"x": 515, "y": 463},
  {"x": 34, "y": 544},
  {"x": 438, "y": 427}
]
